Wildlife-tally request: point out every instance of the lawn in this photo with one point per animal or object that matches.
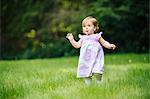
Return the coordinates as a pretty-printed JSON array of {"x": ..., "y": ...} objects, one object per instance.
[{"x": 126, "y": 76}]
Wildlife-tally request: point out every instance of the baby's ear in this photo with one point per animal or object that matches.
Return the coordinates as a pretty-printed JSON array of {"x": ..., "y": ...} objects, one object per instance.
[{"x": 95, "y": 29}]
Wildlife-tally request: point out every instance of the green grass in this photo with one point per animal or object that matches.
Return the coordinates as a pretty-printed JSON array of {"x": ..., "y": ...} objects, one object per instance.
[{"x": 126, "y": 76}]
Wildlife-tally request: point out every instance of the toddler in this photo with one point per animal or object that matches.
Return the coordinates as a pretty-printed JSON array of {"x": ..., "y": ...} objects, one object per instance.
[{"x": 91, "y": 59}]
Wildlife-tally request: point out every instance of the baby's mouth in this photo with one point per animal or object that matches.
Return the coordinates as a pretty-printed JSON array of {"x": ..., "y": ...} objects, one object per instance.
[{"x": 86, "y": 31}]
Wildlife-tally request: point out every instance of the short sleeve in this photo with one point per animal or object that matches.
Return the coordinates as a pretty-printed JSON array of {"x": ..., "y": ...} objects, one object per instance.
[
  {"x": 80, "y": 36},
  {"x": 99, "y": 35}
]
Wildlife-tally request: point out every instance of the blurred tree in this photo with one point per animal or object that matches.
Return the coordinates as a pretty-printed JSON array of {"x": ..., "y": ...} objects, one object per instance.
[
  {"x": 34, "y": 29},
  {"x": 126, "y": 22}
]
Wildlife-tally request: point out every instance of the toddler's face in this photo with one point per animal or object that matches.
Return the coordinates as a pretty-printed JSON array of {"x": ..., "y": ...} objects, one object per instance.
[{"x": 88, "y": 28}]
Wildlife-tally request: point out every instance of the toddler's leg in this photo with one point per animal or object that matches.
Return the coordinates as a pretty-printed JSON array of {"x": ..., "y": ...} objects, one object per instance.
[
  {"x": 88, "y": 80},
  {"x": 98, "y": 78}
]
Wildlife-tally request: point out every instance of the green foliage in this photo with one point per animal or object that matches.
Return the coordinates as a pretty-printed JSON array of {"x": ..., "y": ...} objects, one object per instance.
[
  {"x": 56, "y": 79},
  {"x": 125, "y": 21},
  {"x": 35, "y": 28}
]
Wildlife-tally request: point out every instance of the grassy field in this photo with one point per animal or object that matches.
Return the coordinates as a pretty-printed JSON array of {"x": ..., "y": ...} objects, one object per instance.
[{"x": 126, "y": 76}]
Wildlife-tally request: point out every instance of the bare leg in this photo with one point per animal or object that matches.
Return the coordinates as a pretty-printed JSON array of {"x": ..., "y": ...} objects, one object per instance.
[
  {"x": 88, "y": 80},
  {"x": 98, "y": 78}
]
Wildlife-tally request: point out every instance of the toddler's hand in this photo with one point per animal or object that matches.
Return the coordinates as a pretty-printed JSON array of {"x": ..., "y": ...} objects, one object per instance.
[
  {"x": 69, "y": 36},
  {"x": 112, "y": 46}
]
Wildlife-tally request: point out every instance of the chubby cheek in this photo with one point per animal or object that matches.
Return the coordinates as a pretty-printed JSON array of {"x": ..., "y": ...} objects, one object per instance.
[
  {"x": 84, "y": 30},
  {"x": 92, "y": 30}
]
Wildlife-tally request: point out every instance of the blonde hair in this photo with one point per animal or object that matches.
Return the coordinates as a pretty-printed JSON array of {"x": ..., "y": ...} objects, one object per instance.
[{"x": 93, "y": 20}]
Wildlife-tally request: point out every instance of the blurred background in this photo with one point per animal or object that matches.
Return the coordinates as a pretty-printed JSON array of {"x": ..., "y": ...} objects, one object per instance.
[{"x": 37, "y": 28}]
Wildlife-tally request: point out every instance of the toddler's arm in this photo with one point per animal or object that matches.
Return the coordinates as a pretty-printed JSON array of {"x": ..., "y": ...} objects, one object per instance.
[
  {"x": 72, "y": 41},
  {"x": 106, "y": 44}
]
